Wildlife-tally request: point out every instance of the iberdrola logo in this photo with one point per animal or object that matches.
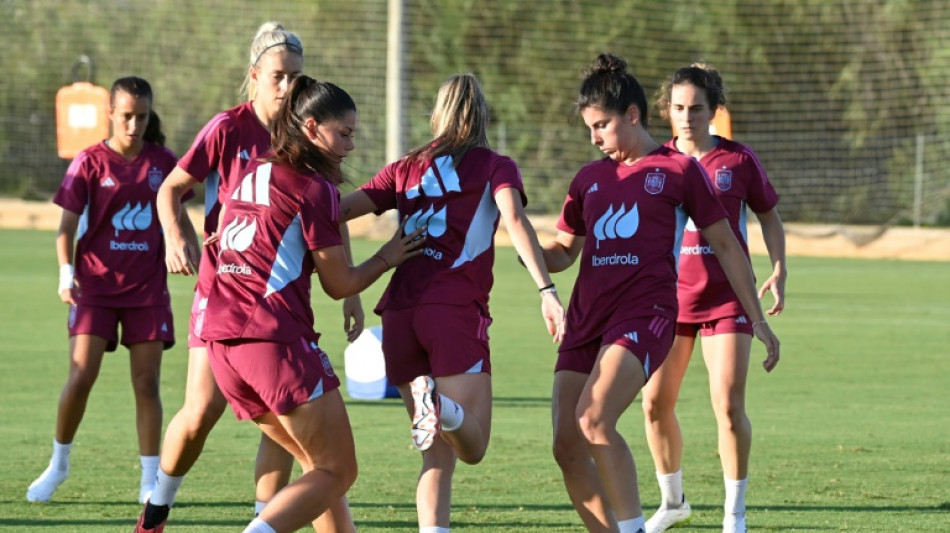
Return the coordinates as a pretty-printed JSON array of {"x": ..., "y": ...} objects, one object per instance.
[
  {"x": 619, "y": 224},
  {"x": 132, "y": 218}
]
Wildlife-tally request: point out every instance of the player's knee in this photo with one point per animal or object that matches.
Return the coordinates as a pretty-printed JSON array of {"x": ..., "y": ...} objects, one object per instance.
[
  {"x": 146, "y": 386},
  {"x": 731, "y": 412},
  {"x": 473, "y": 455},
  {"x": 80, "y": 382},
  {"x": 593, "y": 429},
  {"x": 568, "y": 447}
]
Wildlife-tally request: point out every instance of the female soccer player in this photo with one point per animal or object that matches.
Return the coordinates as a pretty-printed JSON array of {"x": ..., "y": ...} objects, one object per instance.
[
  {"x": 219, "y": 156},
  {"x": 282, "y": 223},
  {"x": 621, "y": 216},
  {"x": 435, "y": 309},
  {"x": 116, "y": 274},
  {"x": 707, "y": 303}
]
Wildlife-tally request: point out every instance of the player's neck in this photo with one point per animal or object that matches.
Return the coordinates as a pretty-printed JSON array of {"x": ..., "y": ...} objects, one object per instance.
[
  {"x": 127, "y": 151},
  {"x": 643, "y": 146},
  {"x": 261, "y": 114},
  {"x": 697, "y": 148}
]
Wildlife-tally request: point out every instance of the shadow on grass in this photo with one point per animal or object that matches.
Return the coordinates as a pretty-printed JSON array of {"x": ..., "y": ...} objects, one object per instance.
[{"x": 498, "y": 401}]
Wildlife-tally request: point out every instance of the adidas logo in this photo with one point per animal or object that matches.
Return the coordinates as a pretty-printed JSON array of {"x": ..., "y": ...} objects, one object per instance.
[
  {"x": 244, "y": 155},
  {"x": 593, "y": 188},
  {"x": 107, "y": 182},
  {"x": 255, "y": 187},
  {"x": 633, "y": 336},
  {"x": 440, "y": 176},
  {"x": 742, "y": 320},
  {"x": 164, "y": 327}
]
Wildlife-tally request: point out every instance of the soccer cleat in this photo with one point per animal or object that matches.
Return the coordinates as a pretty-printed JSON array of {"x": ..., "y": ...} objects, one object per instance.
[
  {"x": 667, "y": 517},
  {"x": 734, "y": 523},
  {"x": 43, "y": 488},
  {"x": 153, "y": 514},
  {"x": 425, "y": 412}
]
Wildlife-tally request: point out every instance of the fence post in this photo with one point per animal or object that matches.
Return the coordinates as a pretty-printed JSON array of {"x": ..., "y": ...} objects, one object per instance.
[{"x": 919, "y": 179}]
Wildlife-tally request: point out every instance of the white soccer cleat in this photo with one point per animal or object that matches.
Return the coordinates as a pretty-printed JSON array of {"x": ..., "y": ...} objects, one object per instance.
[
  {"x": 42, "y": 489},
  {"x": 425, "y": 412},
  {"x": 668, "y": 517},
  {"x": 734, "y": 523}
]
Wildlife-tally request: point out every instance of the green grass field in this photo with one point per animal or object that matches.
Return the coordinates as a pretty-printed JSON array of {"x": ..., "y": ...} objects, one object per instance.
[{"x": 852, "y": 430}]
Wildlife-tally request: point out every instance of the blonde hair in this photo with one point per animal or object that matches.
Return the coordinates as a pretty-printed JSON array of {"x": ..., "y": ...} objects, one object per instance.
[
  {"x": 270, "y": 36},
  {"x": 459, "y": 119}
]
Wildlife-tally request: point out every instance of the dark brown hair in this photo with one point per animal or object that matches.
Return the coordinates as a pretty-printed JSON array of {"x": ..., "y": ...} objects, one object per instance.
[
  {"x": 700, "y": 75},
  {"x": 308, "y": 98},
  {"x": 139, "y": 88},
  {"x": 608, "y": 85}
]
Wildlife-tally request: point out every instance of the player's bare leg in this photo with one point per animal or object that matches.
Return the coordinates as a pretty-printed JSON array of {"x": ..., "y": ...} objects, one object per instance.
[
  {"x": 573, "y": 456},
  {"x": 145, "y": 364}
]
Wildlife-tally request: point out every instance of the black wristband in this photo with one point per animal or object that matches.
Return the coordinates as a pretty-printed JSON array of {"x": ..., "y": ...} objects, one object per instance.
[{"x": 546, "y": 288}]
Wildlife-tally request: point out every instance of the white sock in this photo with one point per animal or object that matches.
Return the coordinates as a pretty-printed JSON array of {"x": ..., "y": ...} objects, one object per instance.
[
  {"x": 60, "y": 458},
  {"x": 633, "y": 525},
  {"x": 149, "y": 469},
  {"x": 452, "y": 414},
  {"x": 42, "y": 489},
  {"x": 259, "y": 526},
  {"x": 671, "y": 489},
  {"x": 166, "y": 488},
  {"x": 433, "y": 529},
  {"x": 735, "y": 495},
  {"x": 258, "y": 508}
]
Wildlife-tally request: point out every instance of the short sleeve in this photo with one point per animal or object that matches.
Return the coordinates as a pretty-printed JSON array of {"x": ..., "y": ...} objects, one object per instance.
[
  {"x": 761, "y": 196},
  {"x": 320, "y": 216},
  {"x": 505, "y": 174},
  {"x": 203, "y": 156},
  {"x": 73, "y": 193},
  {"x": 572, "y": 212},
  {"x": 700, "y": 201},
  {"x": 381, "y": 190}
]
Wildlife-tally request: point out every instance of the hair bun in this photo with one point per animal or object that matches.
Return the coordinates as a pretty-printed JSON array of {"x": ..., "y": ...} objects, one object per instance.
[{"x": 607, "y": 62}]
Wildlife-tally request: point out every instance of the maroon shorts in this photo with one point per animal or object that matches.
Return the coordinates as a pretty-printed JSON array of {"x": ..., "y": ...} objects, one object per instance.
[
  {"x": 258, "y": 377},
  {"x": 139, "y": 324},
  {"x": 648, "y": 338},
  {"x": 436, "y": 340},
  {"x": 196, "y": 320},
  {"x": 719, "y": 326}
]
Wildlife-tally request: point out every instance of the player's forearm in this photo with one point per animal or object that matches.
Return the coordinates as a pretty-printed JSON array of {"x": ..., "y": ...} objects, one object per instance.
[
  {"x": 773, "y": 234},
  {"x": 525, "y": 241}
]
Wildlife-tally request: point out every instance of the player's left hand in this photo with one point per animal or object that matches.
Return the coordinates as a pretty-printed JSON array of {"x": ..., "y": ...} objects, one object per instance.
[
  {"x": 764, "y": 333},
  {"x": 554, "y": 315},
  {"x": 353, "y": 317},
  {"x": 776, "y": 286}
]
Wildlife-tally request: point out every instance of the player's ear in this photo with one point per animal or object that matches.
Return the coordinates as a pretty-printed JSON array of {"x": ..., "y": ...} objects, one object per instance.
[{"x": 633, "y": 114}]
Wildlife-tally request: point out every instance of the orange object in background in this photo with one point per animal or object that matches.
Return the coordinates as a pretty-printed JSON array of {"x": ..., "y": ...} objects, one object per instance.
[
  {"x": 82, "y": 114},
  {"x": 721, "y": 124}
]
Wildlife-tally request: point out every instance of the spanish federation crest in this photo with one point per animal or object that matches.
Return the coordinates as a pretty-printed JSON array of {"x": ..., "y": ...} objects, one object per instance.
[
  {"x": 723, "y": 179},
  {"x": 154, "y": 179},
  {"x": 654, "y": 182}
]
